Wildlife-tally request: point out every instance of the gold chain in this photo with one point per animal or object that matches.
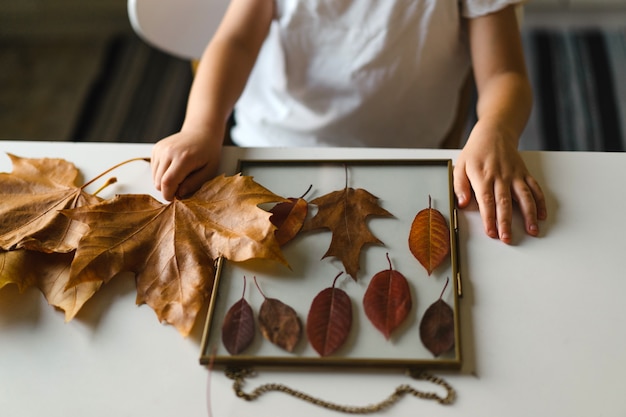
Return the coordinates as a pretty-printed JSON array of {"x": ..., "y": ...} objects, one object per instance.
[{"x": 238, "y": 375}]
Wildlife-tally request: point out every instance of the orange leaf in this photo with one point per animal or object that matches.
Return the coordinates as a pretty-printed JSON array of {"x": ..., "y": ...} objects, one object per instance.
[
  {"x": 50, "y": 273},
  {"x": 172, "y": 248},
  {"x": 387, "y": 300},
  {"x": 345, "y": 213},
  {"x": 31, "y": 199},
  {"x": 429, "y": 238}
]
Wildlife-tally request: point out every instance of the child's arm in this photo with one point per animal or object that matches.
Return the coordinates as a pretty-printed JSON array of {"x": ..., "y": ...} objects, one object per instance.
[
  {"x": 181, "y": 163},
  {"x": 490, "y": 163}
]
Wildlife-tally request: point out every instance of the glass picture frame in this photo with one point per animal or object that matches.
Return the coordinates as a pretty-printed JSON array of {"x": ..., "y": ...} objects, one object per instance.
[{"x": 403, "y": 188}]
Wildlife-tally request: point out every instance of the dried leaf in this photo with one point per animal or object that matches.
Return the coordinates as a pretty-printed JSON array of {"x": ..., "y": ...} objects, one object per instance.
[
  {"x": 238, "y": 326},
  {"x": 329, "y": 320},
  {"x": 345, "y": 214},
  {"x": 429, "y": 238},
  {"x": 49, "y": 272},
  {"x": 171, "y": 248},
  {"x": 437, "y": 326},
  {"x": 387, "y": 300},
  {"x": 32, "y": 196},
  {"x": 288, "y": 217},
  {"x": 279, "y": 323}
]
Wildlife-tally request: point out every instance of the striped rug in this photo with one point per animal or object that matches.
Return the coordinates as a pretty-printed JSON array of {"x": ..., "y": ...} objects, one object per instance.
[
  {"x": 579, "y": 80},
  {"x": 130, "y": 92},
  {"x": 139, "y": 95}
]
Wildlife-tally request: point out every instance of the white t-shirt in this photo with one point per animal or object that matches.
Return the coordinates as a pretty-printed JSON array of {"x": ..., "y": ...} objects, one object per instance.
[{"x": 376, "y": 73}]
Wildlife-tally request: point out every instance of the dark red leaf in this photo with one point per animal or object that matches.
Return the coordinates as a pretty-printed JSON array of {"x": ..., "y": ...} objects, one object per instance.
[
  {"x": 329, "y": 320},
  {"x": 437, "y": 327},
  {"x": 387, "y": 300},
  {"x": 238, "y": 327},
  {"x": 279, "y": 323}
]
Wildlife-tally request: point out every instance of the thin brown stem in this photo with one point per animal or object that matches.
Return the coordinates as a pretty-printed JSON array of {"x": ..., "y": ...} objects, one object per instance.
[
  {"x": 110, "y": 181},
  {"x": 111, "y": 169}
]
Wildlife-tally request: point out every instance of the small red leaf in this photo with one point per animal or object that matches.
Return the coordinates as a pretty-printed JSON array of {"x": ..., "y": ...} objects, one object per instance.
[
  {"x": 437, "y": 327},
  {"x": 238, "y": 327},
  {"x": 288, "y": 217},
  {"x": 387, "y": 300},
  {"x": 329, "y": 320},
  {"x": 429, "y": 238},
  {"x": 279, "y": 323}
]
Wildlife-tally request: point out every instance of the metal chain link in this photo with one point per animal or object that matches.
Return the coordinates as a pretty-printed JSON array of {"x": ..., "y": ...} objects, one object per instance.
[{"x": 238, "y": 375}]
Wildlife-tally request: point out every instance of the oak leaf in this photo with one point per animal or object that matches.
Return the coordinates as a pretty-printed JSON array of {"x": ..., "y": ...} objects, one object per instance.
[
  {"x": 429, "y": 238},
  {"x": 345, "y": 213},
  {"x": 387, "y": 300},
  {"x": 49, "y": 272},
  {"x": 31, "y": 198},
  {"x": 329, "y": 320},
  {"x": 172, "y": 247}
]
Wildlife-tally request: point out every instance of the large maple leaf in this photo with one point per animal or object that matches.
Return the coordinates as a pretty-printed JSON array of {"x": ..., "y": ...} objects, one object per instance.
[
  {"x": 31, "y": 198},
  {"x": 49, "y": 272},
  {"x": 172, "y": 247},
  {"x": 345, "y": 213}
]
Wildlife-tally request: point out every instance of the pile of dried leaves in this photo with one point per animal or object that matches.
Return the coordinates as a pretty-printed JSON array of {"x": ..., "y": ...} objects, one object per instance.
[{"x": 66, "y": 242}]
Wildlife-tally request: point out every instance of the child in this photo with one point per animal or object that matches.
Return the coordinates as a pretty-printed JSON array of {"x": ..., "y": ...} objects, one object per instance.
[{"x": 383, "y": 73}]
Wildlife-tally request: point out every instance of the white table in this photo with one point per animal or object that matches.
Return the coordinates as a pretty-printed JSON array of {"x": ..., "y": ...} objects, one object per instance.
[{"x": 544, "y": 319}]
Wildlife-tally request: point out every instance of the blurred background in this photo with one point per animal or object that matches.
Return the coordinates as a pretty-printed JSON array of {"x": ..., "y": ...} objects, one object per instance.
[{"x": 74, "y": 70}]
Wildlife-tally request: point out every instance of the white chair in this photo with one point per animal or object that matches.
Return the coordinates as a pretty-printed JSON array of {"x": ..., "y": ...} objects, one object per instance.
[{"x": 181, "y": 28}]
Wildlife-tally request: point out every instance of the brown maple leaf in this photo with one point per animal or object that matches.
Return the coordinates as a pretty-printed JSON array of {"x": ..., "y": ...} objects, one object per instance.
[
  {"x": 345, "y": 214},
  {"x": 49, "y": 272},
  {"x": 172, "y": 247},
  {"x": 31, "y": 198}
]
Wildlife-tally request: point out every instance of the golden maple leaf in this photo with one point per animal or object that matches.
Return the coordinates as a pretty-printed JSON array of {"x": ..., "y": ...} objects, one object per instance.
[
  {"x": 172, "y": 247},
  {"x": 49, "y": 272},
  {"x": 345, "y": 213},
  {"x": 31, "y": 198}
]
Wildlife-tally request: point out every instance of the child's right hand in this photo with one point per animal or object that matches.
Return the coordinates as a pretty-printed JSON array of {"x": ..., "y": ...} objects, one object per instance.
[{"x": 181, "y": 163}]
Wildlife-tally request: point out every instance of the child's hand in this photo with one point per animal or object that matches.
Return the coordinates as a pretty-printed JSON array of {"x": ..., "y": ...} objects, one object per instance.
[
  {"x": 491, "y": 165},
  {"x": 181, "y": 163}
]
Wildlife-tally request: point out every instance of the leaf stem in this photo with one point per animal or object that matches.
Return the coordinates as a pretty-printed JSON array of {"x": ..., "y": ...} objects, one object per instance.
[
  {"x": 444, "y": 288},
  {"x": 110, "y": 181},
  {"x": 259, "y": 288},
  {"x": 243, "y": 293},
  {"x": 307, "y": 191},
  {"x": 111, "y": 169},
  {"x": 389, "y": 260},
  {"x": 335, "y": 280}
]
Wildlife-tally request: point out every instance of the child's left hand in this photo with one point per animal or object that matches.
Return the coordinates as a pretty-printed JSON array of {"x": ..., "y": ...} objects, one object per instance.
[{"x": 491, "y": 166}]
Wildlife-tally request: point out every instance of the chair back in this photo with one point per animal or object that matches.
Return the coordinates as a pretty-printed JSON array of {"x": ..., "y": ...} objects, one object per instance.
[{"x": 182, "y": 28}]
